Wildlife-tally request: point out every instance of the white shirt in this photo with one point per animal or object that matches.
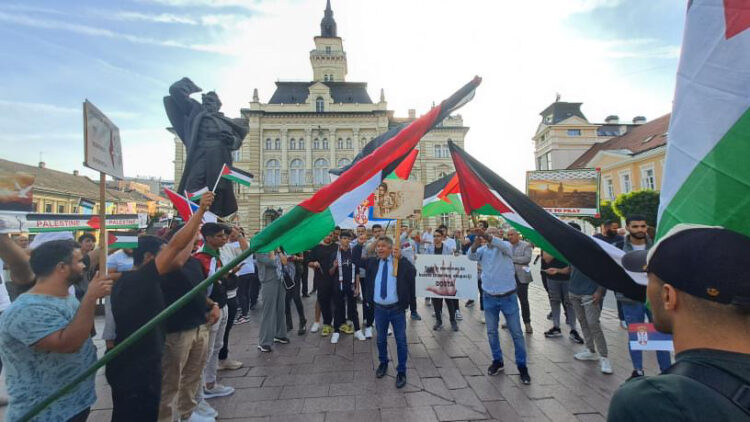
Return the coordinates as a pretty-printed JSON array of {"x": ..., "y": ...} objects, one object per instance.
[
  {"x": 426, "y": 237},
  {"x": 450, "y": 242},
  {"x": 119, "y": 262}
]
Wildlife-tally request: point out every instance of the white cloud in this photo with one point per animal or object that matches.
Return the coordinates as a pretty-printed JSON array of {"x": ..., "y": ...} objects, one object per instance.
[
  {"x": 159, "y": 18},
  {"x": 245, "y": 4}
]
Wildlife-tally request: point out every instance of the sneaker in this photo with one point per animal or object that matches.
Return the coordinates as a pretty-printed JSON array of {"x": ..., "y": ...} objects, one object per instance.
[
  {"x": 605, "y": 366},
  {"x": 282, "y": 340},
  {"x": 264, "y": 349},
  {"x": 415, "y": 316},
  {"x": 575, "y": 337},
  {"x": 229, "y": 365},
  {"x": 241, "y": 320},
  {"x": 335, "y": 338},
  {"x": 368, "y": 332},
  {"x": 390, "y": 331},
  {"x": 326, "y": 331},
  {"x": 359, "y": 335},
  {"x": 529, "y": 329},
  {"x": 586, "y": 354},
  {"x": 454, "y": 325},
  {"x": 481, "y": 318},
  {"x": 218, "y": 391},
  {"x": 315, "y": 327},
  {"x": 346, "y": 329},
  {"x": 637, "y": 373},
  {"x": 438, "y": 326},
  {"x": 553, "y": 332},
  {"x": 205, "y": 410},
  {"x": 623, "y": 325},
  {"x": 496, "y": 367},
  {"x": 458, "y": 315},
  {"x": 525, "y": 377},
  {"x": 469, "y": 303}
]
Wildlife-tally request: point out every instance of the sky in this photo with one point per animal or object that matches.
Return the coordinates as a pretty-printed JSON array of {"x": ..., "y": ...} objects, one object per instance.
[{"x": 615, "y": 56}]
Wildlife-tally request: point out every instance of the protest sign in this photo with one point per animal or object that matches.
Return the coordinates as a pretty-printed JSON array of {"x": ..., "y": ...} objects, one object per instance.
[
  {"x": 446, "y": 276},
  {"x": 397, "y": 199}
]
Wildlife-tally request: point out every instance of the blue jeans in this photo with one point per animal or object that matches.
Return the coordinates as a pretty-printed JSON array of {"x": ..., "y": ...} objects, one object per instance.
[
  {"x": 635, "y": 313},
  {"x": 508, "y": 305},
  {"x": 397, "y": 318}
]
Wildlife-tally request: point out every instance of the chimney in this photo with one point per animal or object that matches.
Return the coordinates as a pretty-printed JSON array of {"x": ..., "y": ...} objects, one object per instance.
[
  {"x": 639, "y": 120},
  {"x": 612, "y": 119},
  {"x": 75, "y": 172},
  {"x": 42, "y": 165},
  {"x": 412, "y": 113}
]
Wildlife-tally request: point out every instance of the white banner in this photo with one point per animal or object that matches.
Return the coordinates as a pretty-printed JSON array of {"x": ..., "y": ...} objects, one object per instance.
[
  {"x": 102, "y": 148},
  {"x": 446, "y": 276}
]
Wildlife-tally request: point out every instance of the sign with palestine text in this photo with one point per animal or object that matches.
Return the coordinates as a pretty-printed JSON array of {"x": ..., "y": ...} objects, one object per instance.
[
  {"x": 102, "y": 148},
  {"x": 446, "y": 276},
  {"x": 38, "y": 223}
]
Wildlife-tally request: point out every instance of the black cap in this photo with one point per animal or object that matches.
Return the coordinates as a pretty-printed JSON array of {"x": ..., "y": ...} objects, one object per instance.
[
  {"x": 706, "y": 262},
  {"x": 346, "y": 233}
]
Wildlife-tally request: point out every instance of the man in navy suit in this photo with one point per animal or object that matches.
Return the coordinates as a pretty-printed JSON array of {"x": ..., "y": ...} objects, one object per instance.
[{"x": 390, "y": 296}]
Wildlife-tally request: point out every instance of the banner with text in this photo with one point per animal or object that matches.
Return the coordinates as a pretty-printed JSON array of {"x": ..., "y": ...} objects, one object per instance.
[
  {"x": 446, "y": 276},
  {"x": 11, "y": 222}
]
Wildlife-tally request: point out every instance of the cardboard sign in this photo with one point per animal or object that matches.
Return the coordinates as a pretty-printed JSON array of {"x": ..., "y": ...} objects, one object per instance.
[
  {"x": 643, "y": 336},
  {"x": 446, "y": 276},
  {"x": 101, "y": 145},
  {"x": 398, "y": 199}
]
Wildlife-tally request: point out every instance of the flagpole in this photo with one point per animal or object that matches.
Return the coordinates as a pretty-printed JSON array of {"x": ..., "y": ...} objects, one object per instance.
[
  {"x": 218, "y": 179},
  {"x": 398, "y": 245},
  {"x": 103, "y": 241}
]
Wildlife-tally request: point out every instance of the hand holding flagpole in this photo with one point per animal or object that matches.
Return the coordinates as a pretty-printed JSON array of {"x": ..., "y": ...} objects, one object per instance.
[{"x": 218, "y": 179}]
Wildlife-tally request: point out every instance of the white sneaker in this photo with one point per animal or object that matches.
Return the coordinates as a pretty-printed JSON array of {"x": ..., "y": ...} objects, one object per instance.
[
  {"x": 481, "y": 318},
  {"x": 606, "y": 366},
  {"x": 315, "y": 327},
  {"x": 586, "y": 354},
  {"x": 335, "y": 338},
  {"x": 359, "y": 335},
  {"x": 218, "y": 391},
  {"x": 368, "y": 332},
  {"x": 459, "y": 317},
  {"x": 199, "y": 418},
  {"x": 204, "y": 409},
  {"x": 390, "y": 331}
]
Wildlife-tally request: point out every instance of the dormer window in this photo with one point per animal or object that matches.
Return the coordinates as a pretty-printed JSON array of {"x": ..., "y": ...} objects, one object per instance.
[
  {"x": 548, "y": 118},
  {"x": 319, "y": 105}
]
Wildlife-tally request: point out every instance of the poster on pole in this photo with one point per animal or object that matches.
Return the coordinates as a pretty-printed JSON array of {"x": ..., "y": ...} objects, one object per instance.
[
  {"x": 446, "y": 276},
  {"x": 398, "y": 199},
  {"x": 570, "y": 193},
  {"x": 102, "y": 149}
]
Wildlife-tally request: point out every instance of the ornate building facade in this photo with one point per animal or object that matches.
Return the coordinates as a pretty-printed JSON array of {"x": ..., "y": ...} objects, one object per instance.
[{"x": 307, "y": 128}]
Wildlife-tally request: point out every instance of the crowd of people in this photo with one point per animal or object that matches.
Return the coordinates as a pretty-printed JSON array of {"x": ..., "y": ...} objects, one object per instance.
[{"x": 170, "y": 373}]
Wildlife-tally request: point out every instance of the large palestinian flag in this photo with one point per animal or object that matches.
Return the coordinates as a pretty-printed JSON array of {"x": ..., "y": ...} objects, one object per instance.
[
  {"x": 307, "y": 223},
  {"x": 442, "y": 197},
  {"x": 484, "y": 192},
  {"x": 707, "y": 170}
]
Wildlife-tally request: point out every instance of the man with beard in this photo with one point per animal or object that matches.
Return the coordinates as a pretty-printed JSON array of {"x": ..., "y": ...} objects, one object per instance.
[{"x": 45, "y": 335}]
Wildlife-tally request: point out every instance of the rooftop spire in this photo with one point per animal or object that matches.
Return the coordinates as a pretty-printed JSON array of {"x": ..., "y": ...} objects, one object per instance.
[{"x": 328, "y": 24}]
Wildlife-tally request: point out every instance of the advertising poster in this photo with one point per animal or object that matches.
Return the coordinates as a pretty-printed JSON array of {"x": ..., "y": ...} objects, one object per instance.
[{"x": 572, "y": 193}]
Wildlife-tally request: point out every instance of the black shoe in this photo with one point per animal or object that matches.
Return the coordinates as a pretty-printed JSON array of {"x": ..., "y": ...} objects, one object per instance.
[
  {"x": 438, "y": 326},
  {"x": 305, "y": 295},
  {"x": 575, "y": 337},
  {"x": 469, "y": 303},
  {"x": 415, "y": 316},
  {"x": 302, "y": 330},
  {"x": 252, "y": 306},
  {"x": 264, "y": 349},
  {"x": 495, "y": 368},
  {"x": 400, "y": 380},
  {"x": 636, "y": 374},
  {"x": 454, "y": 325},
  {"x": 282, "y": 340},
  {"x": 525, "y": 378},
  {"x": 382, "y": 369},
  {"x": 553, "y": 332}
]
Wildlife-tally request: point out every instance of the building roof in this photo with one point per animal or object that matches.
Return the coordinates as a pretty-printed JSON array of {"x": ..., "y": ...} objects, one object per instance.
[
  {"x": 637, "y": 140},
  {"x": 341, "y": 92},
  {"x": 561, "y": 111}
]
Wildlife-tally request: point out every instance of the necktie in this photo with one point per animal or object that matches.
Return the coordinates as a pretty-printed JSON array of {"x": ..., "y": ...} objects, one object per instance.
[{"x": 384, "y": 280}]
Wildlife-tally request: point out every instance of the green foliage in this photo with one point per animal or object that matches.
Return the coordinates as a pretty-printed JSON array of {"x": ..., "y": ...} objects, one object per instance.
[
  {"x": 644, "y": 202},
  {"x": 606, "y": 213},
  {"x": 493, "y": 221}
]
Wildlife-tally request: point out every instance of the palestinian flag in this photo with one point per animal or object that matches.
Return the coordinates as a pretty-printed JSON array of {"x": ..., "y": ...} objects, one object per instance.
[
  {"x": 306, "y": 224},
  {"x": 196, "y": 196},
  {"x": 122, "y": 240},
  {"x": 442, "y": 197},
  {"x": 236, "y": 175},
  {"x": 484, "y": 192},
  {"x": 706, "y": 174}
]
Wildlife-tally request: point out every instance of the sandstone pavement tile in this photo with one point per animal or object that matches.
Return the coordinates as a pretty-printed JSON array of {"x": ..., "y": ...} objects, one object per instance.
[
  {"x": 380, "y": 401},
  {"x": 457, "y": 412},
  {"x": 590, "y": 417},
  {"x": 251, "y": 394},
  {"x": 327, "y": 404},
  {"x": 243, "y": 382},
  {"x": 353, "y": 389},
  {"x": 424, "y": 398},
  {"x": 483, "y": 388},
  {"x": 364, "y": 415},
  {"x": 437, "y": 387},
  {"x": 554, "y": 410},
  {"x": 270, "y": 370},
  {"x": 467, "y": 397},
  {"x": 262, "y": 408},
  {"x": 304, "y": 391},
  {"x": 307, "y": 417},
  {"x": 520, "y": 403},
  {"x": 416, "y": 414},
  {"x": 452, "y": 377},
  {"x": 466, "y": 366},
  {"x": 502, "y": 411}
]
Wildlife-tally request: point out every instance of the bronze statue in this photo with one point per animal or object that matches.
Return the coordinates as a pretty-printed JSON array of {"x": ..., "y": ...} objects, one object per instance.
[{"x": 209, "y": 138}]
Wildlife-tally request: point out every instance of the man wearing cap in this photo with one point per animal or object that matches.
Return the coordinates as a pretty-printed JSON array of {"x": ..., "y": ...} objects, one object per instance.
[{"x": 699, "y": 292}]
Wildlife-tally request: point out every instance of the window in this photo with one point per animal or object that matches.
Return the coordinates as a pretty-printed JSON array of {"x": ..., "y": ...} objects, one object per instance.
[
  {"x": 33, "y": 207},
  {"x": 330, "y": 78},
  {"x": 319, "y": 105},
  {"x": 320, "y": 172},
  {"x": 292, "y": 144},
  {"x": 549, "y": 161},
  {"x": 277, "y": 144},
  {"x": 61, "y": 209},
  {"x": 236, "y": 155},
  {"x": 297, "y": 173},
  {"x": 609, "y": 188},
  {"x": 316, "y": 143},
  {"x": 269, "y": 216},
  {"x": 325, "y": 143},
  {"x": 340, "y": 143},
  {"x": 301, "y": 143},
  {"x": 47, "y": 208},
  {"x": 348, "y": 143},
  {"x": 445, "y": 219},
  {"x": 625, "y": 182},
  {"x": 343, "y": 162},
  {"x": 538, "y": 163},
  {"x": 441, "y": 151},
  {"x": 648, "y": 178},
  {"x": 273, "y": 173},
  {"x": 268, "y": 143},
  {"x": 574, "y": 132},
  {"x": 363, "y": 142},
  {"x": 328, "y": 49}
]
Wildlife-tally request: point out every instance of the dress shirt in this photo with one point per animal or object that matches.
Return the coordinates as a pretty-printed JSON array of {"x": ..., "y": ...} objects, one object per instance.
[
  {"x": 498, "y": 272},
  {"x": 392, "y": 296}
]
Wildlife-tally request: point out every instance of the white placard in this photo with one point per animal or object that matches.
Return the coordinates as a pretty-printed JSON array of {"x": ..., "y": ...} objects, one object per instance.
[
  {"x": 446, "y": 276},
  {"x": 102, "y": 148}
]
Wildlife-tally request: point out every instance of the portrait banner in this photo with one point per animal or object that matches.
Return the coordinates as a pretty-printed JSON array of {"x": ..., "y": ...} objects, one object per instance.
[
  {"x": 398, "y": 199},
  {"x": 572, "y": 193},
  {"x": 446, "y": 276}
]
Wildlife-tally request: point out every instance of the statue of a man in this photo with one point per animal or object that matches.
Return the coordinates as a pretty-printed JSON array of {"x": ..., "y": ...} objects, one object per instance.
[{"x": 209, "y": 138}]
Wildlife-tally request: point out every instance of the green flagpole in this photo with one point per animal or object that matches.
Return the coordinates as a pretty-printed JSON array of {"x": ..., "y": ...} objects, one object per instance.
[{"x": 117, "y": 350}]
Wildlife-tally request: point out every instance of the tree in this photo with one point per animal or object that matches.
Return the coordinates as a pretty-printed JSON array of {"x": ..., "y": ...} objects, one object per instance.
[
  {"x": 644, "y": 202},
  {"x": 606, "y": 213}
]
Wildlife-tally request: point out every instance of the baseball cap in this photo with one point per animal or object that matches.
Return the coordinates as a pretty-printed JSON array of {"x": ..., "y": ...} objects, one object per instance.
[{"x": 703, "y": 261}]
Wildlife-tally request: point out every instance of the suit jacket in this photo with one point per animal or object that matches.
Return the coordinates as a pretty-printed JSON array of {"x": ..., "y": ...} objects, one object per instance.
[
  {"x": 522, "y": 258},
  {"x": 405, "y": 281}
]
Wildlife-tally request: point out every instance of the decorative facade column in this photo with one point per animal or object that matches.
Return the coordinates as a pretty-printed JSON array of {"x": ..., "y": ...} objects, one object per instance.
[
  {"x": 332, "y": 145},
  {"x": 308, "y": 156},
  {"x": 284, "y": 158}
]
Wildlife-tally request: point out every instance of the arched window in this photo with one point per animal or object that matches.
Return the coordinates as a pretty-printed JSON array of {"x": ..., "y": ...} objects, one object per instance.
[
  {"x": 268, "y": 143},
  {"x": 325, "y": 143},
  {"x": 277, "y": 144},
  {"x": 319, "y": 105},
  {"x": 340, "y": 143},
  {"x": 297, "y": 172},
  {"x": 273, "y": 173},
  {"x": 301, "y": 143},
  {"x": 292, "y": 143},
  {"x": 269, "y": 216},
  {"x": 316, "y": 143},
  {"x": 348, "y": 143},
  {"x": 320, "y": 172},
  {"x": 343, "y": 162}
]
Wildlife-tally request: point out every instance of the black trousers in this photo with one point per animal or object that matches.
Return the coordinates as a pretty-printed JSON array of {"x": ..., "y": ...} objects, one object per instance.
[
  {"x": 136, "y": 389},
  {"x": 345, "y": 307},
  {"x": 368, "y": 308},
  {"x": 437, "y": 304},
  {"x": 325, "y": 299},
  {"x": 254, "y": 289},
  {"x": 413, "y": 304},
  {"x": 232, "y": 310},
  {"x": 481, "y": 296},
  {"x": 523, "y": 297},
  {"x": 243, "y": 293},
  {"x": 303, "y": 281},
  {"x": 292, "y": 295}
]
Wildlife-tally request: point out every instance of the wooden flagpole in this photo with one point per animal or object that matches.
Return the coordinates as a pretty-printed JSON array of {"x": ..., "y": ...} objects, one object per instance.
[
  {"x": 103, "y": 241},
  {"x": 397, "y": 242}
]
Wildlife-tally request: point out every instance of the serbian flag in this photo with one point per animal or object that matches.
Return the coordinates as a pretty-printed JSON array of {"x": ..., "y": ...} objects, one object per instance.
[
  {"x": 484, "y": 192},
  {"x": 706, "y": 172},
  {"x": 307, "y": 223},
  {"x": 643, "y": 336},
  {"x": 442, "y": 196},
  {"x": 236, "y": 175},
  {"x": 186, "y": 208}
]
